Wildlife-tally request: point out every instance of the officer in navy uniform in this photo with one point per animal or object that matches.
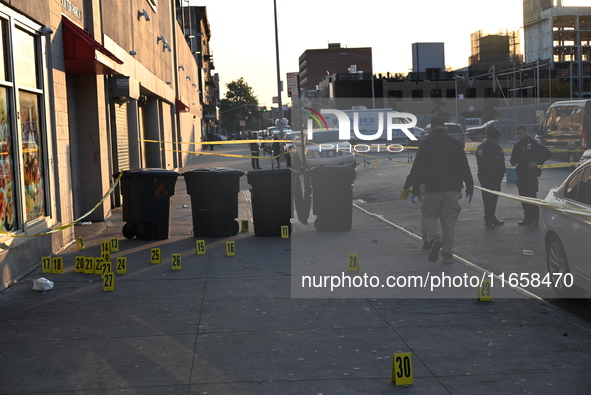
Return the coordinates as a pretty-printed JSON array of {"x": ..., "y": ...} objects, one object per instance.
[
  {"x": 527, "y": 155},
  {"x": 491, "y": 170}
]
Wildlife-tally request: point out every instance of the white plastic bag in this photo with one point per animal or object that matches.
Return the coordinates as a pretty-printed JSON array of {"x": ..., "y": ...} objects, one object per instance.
[{"x": 42, "y": 284}]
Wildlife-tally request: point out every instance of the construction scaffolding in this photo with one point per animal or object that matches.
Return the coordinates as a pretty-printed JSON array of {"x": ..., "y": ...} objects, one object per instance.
[{"x": 500, "y": 47}]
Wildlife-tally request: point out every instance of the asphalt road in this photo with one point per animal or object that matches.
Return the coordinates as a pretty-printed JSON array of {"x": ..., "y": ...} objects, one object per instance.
[{"x": 499, "y": 250}]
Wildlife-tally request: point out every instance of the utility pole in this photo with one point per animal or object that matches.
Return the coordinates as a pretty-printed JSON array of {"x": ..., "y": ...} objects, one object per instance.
[{"x": 283, "y": 163}]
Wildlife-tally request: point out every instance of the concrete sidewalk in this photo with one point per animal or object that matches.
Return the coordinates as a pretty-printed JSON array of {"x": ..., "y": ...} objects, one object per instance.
[{"x": 244, "y": 324}]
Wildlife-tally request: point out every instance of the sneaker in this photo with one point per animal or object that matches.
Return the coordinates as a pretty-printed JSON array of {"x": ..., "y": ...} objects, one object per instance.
[
  {"x": 496, "y": 222},
  {"x": 435, "y": 247},
  {"x": 448, "y": 259},
  {"x": 426, "y": 246},
  {"x": 525, "y": 222},
  {"x": 489, "y": 225}
]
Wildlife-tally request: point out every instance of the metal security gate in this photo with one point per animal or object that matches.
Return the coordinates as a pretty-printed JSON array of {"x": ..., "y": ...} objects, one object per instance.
[
  {"x": 167, "y": 154},
  {"x": 122, "y": 140},
  {"x": 142, "y": 135}
]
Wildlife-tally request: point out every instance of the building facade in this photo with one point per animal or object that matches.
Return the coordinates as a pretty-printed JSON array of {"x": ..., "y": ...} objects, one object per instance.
[
  {"x": 88, "y": 88},
  {"x": 317, "y": 65},
  {"x": 561, "y": 34}
]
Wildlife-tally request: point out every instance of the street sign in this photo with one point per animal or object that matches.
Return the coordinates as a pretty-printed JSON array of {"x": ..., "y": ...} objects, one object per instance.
[{"x": 292, "y": 85}]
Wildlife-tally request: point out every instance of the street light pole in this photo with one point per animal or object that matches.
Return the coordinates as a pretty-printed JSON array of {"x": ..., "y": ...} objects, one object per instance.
[
  {"x": 457, "y": 103},
  {"x": 282, "y": 161}
]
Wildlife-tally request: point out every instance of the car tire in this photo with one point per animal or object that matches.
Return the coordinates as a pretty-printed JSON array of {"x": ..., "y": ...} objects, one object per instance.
[{"x": 559, "y": 269}]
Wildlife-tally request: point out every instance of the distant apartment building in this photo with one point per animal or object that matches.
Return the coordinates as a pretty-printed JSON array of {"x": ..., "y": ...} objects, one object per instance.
[{"x": 316, "y": 65}]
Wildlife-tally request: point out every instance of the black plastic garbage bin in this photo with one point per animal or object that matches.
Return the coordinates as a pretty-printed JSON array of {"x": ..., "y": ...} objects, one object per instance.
[
  {"x": 332, "y": 198},
  {"x": 146, "y": 202},
  {"x": 214, "y": 201},
  {"x": 270, "y": 193}
]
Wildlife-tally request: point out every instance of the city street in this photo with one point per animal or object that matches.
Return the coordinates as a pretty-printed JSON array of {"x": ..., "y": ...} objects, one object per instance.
[
  {"x": 234, "y": 325},
  {"x": 499, "y": 250}
]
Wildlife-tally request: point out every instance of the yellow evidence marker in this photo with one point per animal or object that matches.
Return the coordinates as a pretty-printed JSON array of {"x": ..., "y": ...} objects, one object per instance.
[
  {"x": 353, "y": 263},
  {"x": 176, "y": 261},
  {"x": 80, "y": 244},
  {"x": 230, "y": 248},
  {"x": 284, "y": 232},
  {"x": 485, "y": 291},
  {"x": 107, "y": 268},
  {"x": 57, "y": 264},
  {"x": 109, "y": 282},
  {"x": 79, "y": 260},
  {"x": 121, "y": 265},
  {"x": 155, "y": 254},
  {"x": 88, "y": 265},
  {"x": 114, "y": 244},
  {"x": 405, "y": 194},
  {"x": 402, "y": 369},
  {"x": 106, "y": 247},
  {"x": 46, "y": 264},
  {"x": 244, "y": 226},
  {"x": 200, "y": 247},
  {"x": 98, "y": 265}
]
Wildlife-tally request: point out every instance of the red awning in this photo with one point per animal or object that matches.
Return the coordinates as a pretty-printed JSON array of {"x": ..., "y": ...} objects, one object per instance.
[
  {"x": 180, "y": 106},
  {"x": 84, "y": 55}
]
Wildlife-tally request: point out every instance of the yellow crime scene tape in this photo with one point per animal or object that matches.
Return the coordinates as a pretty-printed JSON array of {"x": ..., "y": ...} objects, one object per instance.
[
  {"x": 60, "y": 228},
  {"x": 221, "y": 142},
  {"x": 539, "y": 202}
]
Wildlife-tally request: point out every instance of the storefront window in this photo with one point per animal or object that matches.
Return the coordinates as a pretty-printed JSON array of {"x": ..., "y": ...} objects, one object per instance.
[
  {"x": 7, "y": 192},
  {"x": 32, "y": 156},
  {"x": 25, "y": 59},
  {"x": 3, "y": 47}
]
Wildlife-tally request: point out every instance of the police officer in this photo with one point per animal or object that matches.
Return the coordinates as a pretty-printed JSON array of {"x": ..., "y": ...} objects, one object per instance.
[
  {"x": 527, "y": 155},
  {"x": 255, "y": 149},
  {"x": 491, "y": 170}
]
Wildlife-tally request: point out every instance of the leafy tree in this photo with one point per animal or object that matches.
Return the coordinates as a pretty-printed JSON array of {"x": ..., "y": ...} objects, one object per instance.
[{"x": 240, "y": 104}]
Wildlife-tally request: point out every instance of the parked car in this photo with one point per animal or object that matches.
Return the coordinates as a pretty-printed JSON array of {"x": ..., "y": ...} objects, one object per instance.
[
  {"x": 565, "y": 233},
  {"x": 585, "y": 157},
  {"x": 472, "y": 122},
  {"x": 505, "y": 126},
  {"x": 324, "y": 149},
  {"x": 218, "y": 137},
  {"x": 455, "y": 130},
  {"x": 290, "y": 136},
  {"x": 271, "y": 130}
]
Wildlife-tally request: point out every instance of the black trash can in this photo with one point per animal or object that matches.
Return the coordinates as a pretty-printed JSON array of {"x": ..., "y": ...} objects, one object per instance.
[
  {"x": 270, "y": 193},
  {"x": 332, "y": 198},
  {"x": 146, "y": 202},
  {"x": 214, "y": 201}
]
